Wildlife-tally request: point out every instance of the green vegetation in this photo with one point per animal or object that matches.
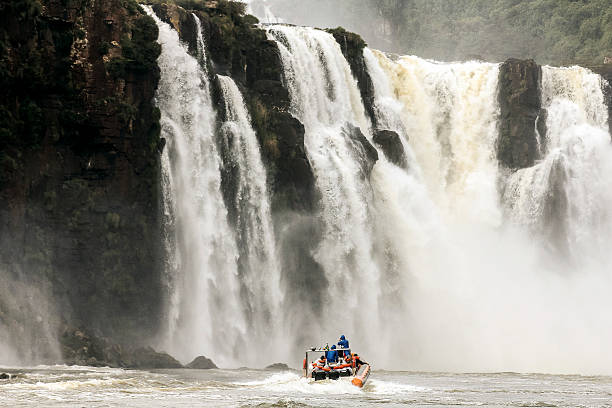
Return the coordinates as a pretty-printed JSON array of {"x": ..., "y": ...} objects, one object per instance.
[
  {"x": 551, "y": 31},
  {"x": 139, "y": 52},
  {"x": 224, "y": 6}
]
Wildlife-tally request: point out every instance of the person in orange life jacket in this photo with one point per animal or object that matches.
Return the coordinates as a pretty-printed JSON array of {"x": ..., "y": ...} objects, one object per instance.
[
  {"x": 320, "y": 363},
  {"x": 332, "y": 355},
  {"x": 343, "y": 343}
]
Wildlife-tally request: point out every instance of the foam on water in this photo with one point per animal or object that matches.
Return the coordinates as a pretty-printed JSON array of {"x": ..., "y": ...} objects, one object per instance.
[{"x": 392, "y": 388}]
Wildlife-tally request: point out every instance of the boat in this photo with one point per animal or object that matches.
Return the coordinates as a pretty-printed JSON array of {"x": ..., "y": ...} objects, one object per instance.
[{"x": 358, "y": 375}]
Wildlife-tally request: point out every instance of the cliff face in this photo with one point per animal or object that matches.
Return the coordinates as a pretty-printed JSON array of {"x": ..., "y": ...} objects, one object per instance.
[
  {"x": 521, "y": 110},
  {"x": 79, "y": 159}
]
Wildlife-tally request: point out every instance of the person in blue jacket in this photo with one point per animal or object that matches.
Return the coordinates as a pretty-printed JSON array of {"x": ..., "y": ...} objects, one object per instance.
[
  {"x": 343, "y": 343},
  {"x": 332, "y": 355}
]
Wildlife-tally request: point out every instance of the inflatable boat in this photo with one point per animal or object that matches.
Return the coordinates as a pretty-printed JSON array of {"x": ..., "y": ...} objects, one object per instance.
[{"x": 334, "y": 371}]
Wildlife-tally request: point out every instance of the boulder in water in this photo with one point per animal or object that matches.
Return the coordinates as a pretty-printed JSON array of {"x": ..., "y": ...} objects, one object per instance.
[
  {"x": 278, "y": 367},
  {"x": 391, "y": 144},
  {"x": 5, "y": 376},
  {"x": 201, "y": 363},
  {"x": 146, "y": 357}
]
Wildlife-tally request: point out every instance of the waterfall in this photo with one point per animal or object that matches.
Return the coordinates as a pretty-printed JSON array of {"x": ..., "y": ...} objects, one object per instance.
[
  {"x": 223, "y": 273},
  {"x": 260, "y": 268},
  {"x": 479, "y": 295},
  {"x": 565, "y": 194},
  {"x": 450, "y": 114},
  {"x": 442, "y": 265},
  {"x": 208, "y": 317},
  {"x": 201, "y": 47},
  {"x": 325, "y": 98}
]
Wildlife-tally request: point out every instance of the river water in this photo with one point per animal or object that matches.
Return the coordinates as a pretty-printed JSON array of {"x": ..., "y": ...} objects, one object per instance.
[{"x": 62, "y": 386}]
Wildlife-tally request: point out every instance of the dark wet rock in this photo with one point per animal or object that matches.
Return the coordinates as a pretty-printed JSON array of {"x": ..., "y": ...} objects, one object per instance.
[
  {"x": 201, "y": 363},
  {"x": 391, "y": 144},
  {"x": 5, "y": 376},
  {"x": 278, "y": 367},
  {"x": 147, "y": 357},
  {"x": 366, "y": 154},
  {"x": 352, "y": 46},
  {"x": 80, "y": 348},
  {"x": 520, "y": 105},
  {"x": 79, "y": 164}
]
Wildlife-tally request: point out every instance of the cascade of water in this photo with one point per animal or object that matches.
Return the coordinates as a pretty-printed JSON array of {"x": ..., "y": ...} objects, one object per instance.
[
  {"x": 408, "y": 220},
  {"x": 484, "y": 282},
  {"x": 565, "y": 193},
  {"x": 420, "y": 269},
  {"x": 260, "y": 276},
  {"x": 201, "y": 47},
  {"x": 325, "y": 97},
  {"x": 451, "y": 118},
  {"x": 209, "y": 318}
]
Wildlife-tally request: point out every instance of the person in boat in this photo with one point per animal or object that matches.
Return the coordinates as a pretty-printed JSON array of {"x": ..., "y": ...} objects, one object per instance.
[
  {"x": 343, "y": 343},
  {"x": 357, "y": 362},
  {"x": 332, "y": 355},
  {"x": 320, "y": 363}
]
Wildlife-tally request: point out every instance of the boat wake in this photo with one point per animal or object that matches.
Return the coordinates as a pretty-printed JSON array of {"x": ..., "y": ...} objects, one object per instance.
[{"x": 293, "y": 383}]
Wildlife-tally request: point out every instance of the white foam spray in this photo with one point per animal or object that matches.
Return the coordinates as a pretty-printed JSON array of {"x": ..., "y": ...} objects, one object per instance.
[
  {"x": 325, "y": 97},
  {"x": 207, "y": 282},
  {"x": 260, "y": 277}
]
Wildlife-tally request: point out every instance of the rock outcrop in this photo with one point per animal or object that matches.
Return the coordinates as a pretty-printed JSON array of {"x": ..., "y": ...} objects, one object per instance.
[
  {"x": 201, "y": 363},
  {"x": 520, "y": 105},
  {"x": 352, "y": 46},
  {"x": 80, "y": 348},
  {"x": 364, "y": 152},
  {"x": 278, "y": 367},
  {"x": 391, "y": 144}
]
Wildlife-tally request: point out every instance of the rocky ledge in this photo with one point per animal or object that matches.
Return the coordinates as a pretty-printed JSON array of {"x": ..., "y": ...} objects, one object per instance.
[
  {"x": 79, "y": 348},
  {"x": 521, "y": 109}
]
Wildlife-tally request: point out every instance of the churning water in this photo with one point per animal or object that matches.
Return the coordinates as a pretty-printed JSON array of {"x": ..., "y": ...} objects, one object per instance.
[{"x": 102, "y": 387}]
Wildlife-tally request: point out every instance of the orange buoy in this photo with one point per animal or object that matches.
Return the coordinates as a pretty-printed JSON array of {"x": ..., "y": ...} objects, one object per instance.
[{"x": 361, "y": 376}]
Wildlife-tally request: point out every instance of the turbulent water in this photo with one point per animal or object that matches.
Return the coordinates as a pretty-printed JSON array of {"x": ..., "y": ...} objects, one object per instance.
[{"x": 83, "y": 386}]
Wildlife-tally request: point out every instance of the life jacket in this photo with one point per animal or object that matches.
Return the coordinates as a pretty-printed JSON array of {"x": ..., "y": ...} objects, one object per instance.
[{"x": 319, "y": 364}]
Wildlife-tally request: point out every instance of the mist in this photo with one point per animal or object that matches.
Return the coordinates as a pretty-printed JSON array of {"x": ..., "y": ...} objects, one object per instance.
[{"x": 29, "y": 322}]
